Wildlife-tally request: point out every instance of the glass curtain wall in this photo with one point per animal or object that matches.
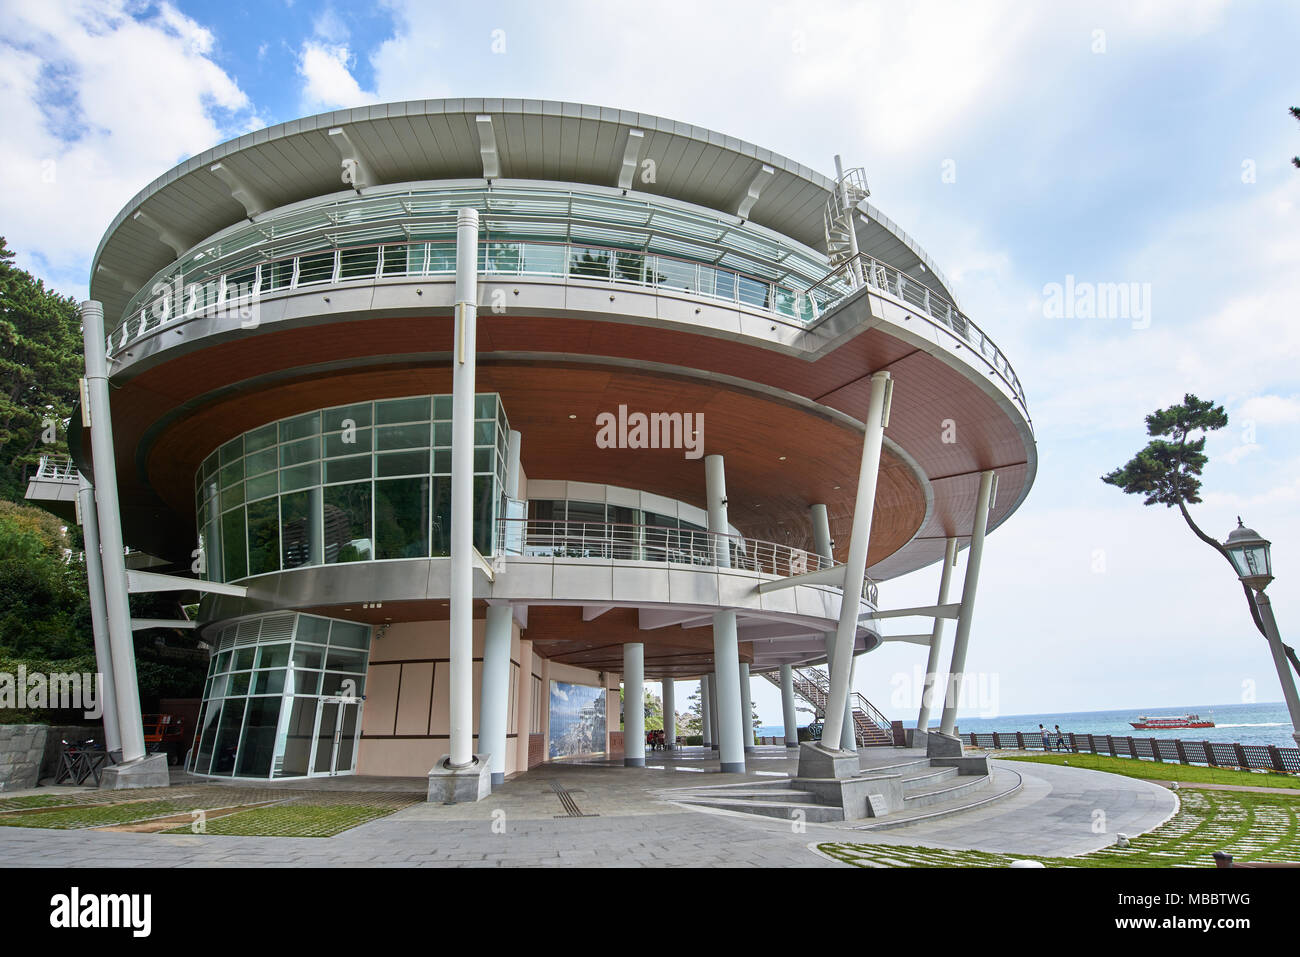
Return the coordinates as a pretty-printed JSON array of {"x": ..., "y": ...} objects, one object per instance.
[
  {"x": 353, "y": 483},
  {"x": 267, "y": 679}
]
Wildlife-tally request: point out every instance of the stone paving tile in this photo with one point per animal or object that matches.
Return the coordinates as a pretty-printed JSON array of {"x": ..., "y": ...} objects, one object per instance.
[{"x": 636, "y": 826}]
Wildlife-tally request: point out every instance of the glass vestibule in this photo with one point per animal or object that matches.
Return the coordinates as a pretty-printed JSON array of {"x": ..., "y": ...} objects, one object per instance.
[
  {"x": 362, "y": 482},
  {"x": 283, "y": 698}
]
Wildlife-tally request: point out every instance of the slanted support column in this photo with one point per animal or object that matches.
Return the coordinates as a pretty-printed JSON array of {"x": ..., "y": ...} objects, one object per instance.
[
  {"x": 634, "y": 705},
  {"x": 936, "y": 638},
  {"x": 726, "y": 645},
  {"x": 788, "y": 713},
  {"x": 117, "y": 610},
  {"x": 670, "y": 713},
  {"x": 460, "y": 691},
  {"x": 855, "y": 571},
  {"x": 495, "y": 689},
  {"x": 960, "y": 641},
  {"x": 746, "y": 708},
  {"x": 98, "y": 612},
  {"x": 849, "y": 736},
  {"x": 706, "y": 712}
]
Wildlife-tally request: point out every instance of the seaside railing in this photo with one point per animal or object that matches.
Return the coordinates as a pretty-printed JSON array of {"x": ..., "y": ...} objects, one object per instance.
[{"x": 1214, "y": 754}]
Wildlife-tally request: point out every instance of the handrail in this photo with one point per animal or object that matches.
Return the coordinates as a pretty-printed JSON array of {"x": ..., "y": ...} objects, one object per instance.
[
  {"x": 56, "y": 468},
  {"x": 392, "y": 260},
  {"x": 830, "y": 290},
  {"x": 626, "y": 541}
]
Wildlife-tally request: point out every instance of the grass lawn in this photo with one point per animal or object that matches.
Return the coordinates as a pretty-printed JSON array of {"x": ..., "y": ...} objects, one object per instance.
[
  {"x": 1162, "y": 771},
  {"x": 1248, "y": 825},
  {"x": 294, "y": 820},
  {"x": 98, "y": 815}
]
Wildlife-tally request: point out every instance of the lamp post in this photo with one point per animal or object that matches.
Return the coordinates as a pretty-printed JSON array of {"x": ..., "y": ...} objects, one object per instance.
[{"x": 1250, "y": 554}]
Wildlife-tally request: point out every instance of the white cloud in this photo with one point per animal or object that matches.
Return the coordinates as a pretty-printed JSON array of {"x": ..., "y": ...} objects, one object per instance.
[
  {"x": 328, "y": 81},
  {"x": 98, "y": 103}
]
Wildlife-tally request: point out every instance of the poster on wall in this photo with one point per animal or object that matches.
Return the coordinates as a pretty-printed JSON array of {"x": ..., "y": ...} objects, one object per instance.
[{"x": 577, "y": 719}]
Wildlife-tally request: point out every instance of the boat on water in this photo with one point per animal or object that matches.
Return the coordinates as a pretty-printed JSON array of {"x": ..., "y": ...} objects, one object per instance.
[{"x": 1186, "y": 721}]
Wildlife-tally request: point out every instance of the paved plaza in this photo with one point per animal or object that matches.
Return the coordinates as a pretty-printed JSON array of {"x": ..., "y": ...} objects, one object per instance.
[{"x": 602, "y": 814}]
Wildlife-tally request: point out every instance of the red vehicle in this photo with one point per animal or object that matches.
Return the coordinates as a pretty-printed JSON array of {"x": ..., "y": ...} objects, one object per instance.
[
  {"x": 164, "y": 733},
  {"x": 1160, "y": 724}
]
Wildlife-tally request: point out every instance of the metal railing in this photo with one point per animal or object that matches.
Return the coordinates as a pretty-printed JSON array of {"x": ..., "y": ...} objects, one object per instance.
[
  {"x": 872, "y": 728},
  {"x": 238, "y": 289},
  {"x": 839, "y": 281},
  {"x": 652, "y": 543},
  {"x": 56, "y": 468},
  {"x": 1215, "y": 754}
]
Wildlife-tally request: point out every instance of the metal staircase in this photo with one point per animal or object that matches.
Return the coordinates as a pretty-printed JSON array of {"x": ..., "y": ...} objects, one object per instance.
[
  {"x": 813, "y": 685},
  {"x": 841, "y": 240}
]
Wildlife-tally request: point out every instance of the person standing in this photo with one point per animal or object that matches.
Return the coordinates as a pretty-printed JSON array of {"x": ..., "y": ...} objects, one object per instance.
[
  {"x": 1060, "y": 740},
  {"x": 1047, "y": 738}
]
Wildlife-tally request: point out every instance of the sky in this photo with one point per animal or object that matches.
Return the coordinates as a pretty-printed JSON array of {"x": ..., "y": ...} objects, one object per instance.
[{"x": 1023, "y": 145}]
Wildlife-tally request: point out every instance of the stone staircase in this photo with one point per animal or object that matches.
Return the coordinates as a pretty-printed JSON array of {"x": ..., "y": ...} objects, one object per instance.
[
  {"x": 813, "y": 686},
  {"x": 914, "y": 787}
]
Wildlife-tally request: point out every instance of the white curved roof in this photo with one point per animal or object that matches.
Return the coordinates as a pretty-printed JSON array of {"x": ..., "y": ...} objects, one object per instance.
[{"x": 444, "y": 139}]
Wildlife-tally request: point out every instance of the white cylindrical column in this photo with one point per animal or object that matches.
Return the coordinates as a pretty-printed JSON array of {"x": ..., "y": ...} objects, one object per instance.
[
  {"x": 855, "y": 571},
  {"x": 788, "y": 712},
  {"x": 494, "y": 706},
  {"x": 821, "y": 526},
  {"x": 117, "y": 609},
  {"x": 960, "y": 641},
  {"x": 706, "y": 713},
  {"x": 715, "y": 493},
  {"x": 746, "y": 708},
  {"x": 633, "y": 705},
  {"x": 1280, "y": 662},
  {"x": 107, "y": 697},
  {"x": 460, "y": 691},
  {"x": 936, "y": 638},
  {"x": 849, "y": 735},
  {"x": 713, "y": 711},
  {"x": 726, "y": 658},
  {"x": 670, "y": 713},
  {"x": 726, "y": 645}
]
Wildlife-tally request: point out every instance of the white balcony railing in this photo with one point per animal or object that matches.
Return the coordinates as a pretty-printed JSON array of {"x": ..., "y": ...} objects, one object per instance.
[
  {"x": 56, "y": 468},
  {"x": 657, "y": 543}
]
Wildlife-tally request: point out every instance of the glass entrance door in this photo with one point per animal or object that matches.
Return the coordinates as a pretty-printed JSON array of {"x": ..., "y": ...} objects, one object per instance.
[{"x": 334, "y": 743}]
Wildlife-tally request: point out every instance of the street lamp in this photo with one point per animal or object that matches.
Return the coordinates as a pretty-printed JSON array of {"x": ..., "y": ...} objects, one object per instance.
[
  {"x": 1249, "y": 552},
  {"x": 1253, "y": 561}
]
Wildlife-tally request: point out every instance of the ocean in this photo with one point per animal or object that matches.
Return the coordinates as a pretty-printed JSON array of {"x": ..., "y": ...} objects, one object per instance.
[{"x": 1265, "y": 723}]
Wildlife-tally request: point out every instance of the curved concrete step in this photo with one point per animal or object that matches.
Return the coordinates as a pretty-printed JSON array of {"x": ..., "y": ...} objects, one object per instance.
[
  {"x": 786, "y": 795},
  {"x": 1002, "y": 783},
  {"x": 931, "y": 778},
  {"x": 946, "y": 791},
  {"x": 783, "y": 810}
]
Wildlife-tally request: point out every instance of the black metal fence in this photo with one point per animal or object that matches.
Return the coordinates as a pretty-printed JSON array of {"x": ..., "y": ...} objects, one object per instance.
[{"x": 1214, "y": 754}]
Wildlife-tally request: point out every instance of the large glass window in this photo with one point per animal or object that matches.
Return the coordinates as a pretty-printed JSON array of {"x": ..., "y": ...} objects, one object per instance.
[{"x": 351, "y": 483}]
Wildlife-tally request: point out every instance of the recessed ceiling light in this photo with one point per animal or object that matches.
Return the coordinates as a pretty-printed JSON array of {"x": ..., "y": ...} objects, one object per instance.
[
  {"x": 836, "y": 486},
  {"x": 572, "y": 416},
  {"x": 782, "y": 458}
]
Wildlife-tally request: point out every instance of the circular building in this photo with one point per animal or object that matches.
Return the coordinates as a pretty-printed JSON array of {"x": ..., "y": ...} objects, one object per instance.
[{"x": 670, "y": 338}]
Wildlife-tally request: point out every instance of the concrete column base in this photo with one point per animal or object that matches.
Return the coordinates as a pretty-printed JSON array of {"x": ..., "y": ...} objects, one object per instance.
[
  {"x": 940, "y": 745},
  {"x": 147, "y": 772},
  {"x": 732, "y": 768},
  {"x": 634, "y": 762},
  {"x": 817, "y": 762},
  {"x": 915, "y": 737},
  {"x": 449, "y": 785},
  {"x": 498, "y": 779}
]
